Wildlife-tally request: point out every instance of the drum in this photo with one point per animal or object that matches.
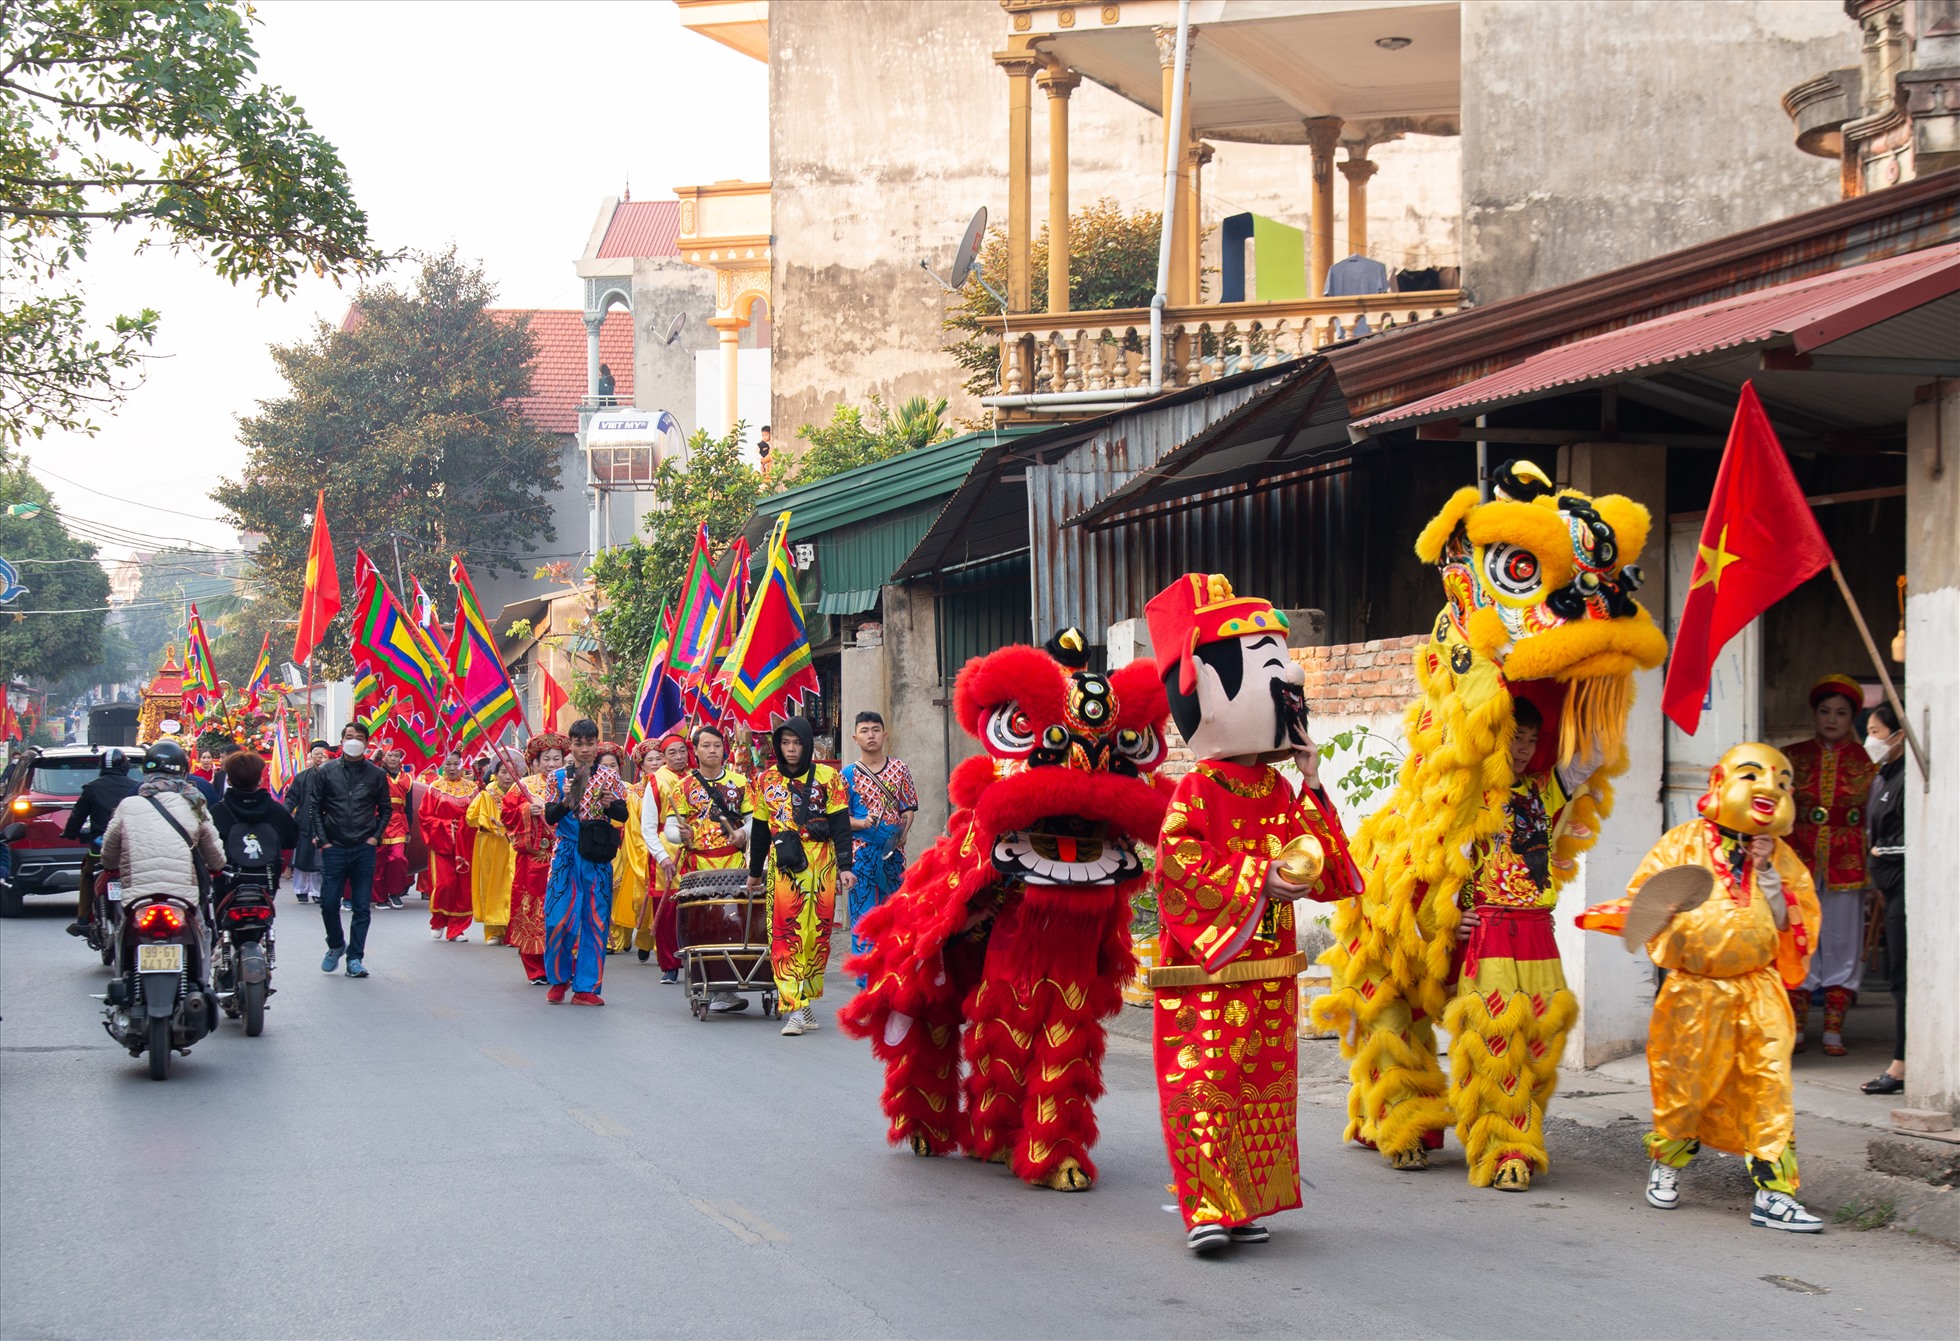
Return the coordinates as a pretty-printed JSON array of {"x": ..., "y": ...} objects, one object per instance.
[{"x": 713, "y": 910}]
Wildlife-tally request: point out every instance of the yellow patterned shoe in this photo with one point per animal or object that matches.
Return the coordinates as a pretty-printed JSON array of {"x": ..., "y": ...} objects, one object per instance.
[
  {"x": 1513, "y": 1175},
  {"x": 1409, "y": 1161},
  {"x": 1068, "y": 1177},
  {"x": 920, "y": 1146}
]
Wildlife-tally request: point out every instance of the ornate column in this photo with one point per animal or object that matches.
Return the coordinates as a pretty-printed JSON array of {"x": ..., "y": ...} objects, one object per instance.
[
  {"x": 594, "y": 323},
  {"x": 1323, "y": 132},
  {"x": 1184, "y": 277},
  {"x": 1358, "y": 168},
  {"x": 1058, "y": 84},
  {"x": 1192, "y": 193},
  {"x": 731, "y": 367},
  {"x": 1021, "y": 67}
]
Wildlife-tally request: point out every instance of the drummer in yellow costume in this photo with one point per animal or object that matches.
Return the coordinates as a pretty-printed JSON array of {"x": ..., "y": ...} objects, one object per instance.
[
  {"x": 490, "y": 869},
  {"x": 800, "y": 837},
  {"x": 710, "y": 807},
  {"x": 1719, "y": 1045}
]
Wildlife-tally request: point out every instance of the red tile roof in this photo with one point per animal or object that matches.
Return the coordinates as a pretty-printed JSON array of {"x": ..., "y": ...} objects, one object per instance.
[
  {"x": 558, "y": 372},
  {"x": 643, "y": 228}
]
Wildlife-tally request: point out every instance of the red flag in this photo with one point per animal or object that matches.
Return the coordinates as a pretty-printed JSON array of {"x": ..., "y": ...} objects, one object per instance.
[
  {"x": 552, "y": 700},
  {"x": 1759, "y": 543},
  {"x": 322, "y": 599}
]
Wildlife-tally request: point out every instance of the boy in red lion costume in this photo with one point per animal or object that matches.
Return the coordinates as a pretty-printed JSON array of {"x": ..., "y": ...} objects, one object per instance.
[
  {"x": 1014, "y": 929},
  {"x": 1239, "y": 845}
]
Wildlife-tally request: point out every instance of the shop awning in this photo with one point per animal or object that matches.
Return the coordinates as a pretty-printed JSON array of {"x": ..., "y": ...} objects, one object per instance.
[{"x": 1891, "y": 318}]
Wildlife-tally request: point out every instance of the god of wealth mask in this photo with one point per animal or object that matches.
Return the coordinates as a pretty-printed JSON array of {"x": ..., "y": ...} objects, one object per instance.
[{"x": 1750, "y": 792}]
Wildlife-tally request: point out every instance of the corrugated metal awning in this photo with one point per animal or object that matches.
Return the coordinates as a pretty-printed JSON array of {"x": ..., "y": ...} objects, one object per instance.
[
  {"x": 1800, "y": 318},
  {"x": 847, "y": 602}
]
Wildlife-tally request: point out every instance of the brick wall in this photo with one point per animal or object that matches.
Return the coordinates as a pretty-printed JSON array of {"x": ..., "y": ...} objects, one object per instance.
[{"x": 1360, "y": 679}]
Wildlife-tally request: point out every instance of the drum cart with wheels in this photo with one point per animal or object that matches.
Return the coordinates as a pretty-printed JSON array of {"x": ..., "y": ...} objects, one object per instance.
[{"x": 722, "y": 933}]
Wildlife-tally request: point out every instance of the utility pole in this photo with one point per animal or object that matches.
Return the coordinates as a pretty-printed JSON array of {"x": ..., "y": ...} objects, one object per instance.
[{"x": 395, "y": 539}]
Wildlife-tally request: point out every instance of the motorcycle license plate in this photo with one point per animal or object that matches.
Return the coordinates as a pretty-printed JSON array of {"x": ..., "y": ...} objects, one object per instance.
[
  {"x": 159, "y": 959},
  {"x": 114, "y": 894}
]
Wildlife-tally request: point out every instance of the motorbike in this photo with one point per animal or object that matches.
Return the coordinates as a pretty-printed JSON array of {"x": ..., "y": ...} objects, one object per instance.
[
  {"x": 242, "y": 950},
  {"x": 159, "y": 1002},
  {"x": 107, "y": 897}
]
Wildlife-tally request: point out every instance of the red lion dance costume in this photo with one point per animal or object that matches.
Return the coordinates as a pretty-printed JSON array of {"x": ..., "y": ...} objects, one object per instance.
[{"x": 1009, "y": 941}]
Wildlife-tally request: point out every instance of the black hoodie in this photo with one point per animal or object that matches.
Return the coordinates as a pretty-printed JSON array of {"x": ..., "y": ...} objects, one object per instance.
[
  {"x": 834, "y": 827},
  {"x": 250, "y": 810}
]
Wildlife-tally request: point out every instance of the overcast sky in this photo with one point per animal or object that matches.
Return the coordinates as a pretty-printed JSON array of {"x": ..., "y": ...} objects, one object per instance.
[{"x": 497, "y": 126}]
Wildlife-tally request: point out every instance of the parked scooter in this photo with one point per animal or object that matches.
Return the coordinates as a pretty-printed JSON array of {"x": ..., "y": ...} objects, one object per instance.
[
  {"x": 242, "y": 952},
  {"x": 159, "y": 1001}
]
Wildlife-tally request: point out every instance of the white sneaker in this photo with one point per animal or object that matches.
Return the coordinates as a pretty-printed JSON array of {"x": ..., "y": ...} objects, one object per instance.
[
  {"x": 1780, "y": 1210},
  {"x": 435, "y": 933},
  {"x": 809, "y": 1020},
  {"x": 793, "y": 1024},
  {"x": 1663, "y": 1186}
]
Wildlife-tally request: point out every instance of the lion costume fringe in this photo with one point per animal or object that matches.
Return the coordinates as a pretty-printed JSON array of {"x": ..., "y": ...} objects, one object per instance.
[{"x": 1540, "y": 586}]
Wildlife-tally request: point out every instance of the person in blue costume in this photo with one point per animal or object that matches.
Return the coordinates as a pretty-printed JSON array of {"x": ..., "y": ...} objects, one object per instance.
[
  {"x": 883, "y": 802},
  {"x": 586, "y": 805}
]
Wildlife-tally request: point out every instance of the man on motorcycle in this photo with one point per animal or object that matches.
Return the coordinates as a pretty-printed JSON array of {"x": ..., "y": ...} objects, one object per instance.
[
  {"x": 89, "y": 820},
  {"x": 152, "y": 854}
]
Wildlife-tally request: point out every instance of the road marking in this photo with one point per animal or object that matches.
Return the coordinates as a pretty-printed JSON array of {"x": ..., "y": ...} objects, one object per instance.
[
  {"x": 596, "y": 1123},
  {"x": 744, "y": 1224},
  {"x": 516, "y": 1061},
  {"x": 1794, "y": 1285}
]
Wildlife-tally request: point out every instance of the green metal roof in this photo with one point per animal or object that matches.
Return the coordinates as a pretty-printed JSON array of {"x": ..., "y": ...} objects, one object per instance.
[{"x": 869, "y": 492}]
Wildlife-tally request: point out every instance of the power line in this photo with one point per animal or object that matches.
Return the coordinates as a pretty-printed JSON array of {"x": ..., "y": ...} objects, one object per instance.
[{"x": 152, "y": 507}]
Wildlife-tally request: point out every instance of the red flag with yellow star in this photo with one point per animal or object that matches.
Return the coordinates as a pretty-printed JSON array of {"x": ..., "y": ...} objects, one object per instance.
[{"x": 1759, "y": 543}]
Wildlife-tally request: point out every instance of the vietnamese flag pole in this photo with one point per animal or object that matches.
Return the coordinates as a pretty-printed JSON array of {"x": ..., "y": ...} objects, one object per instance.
[
  {"x": 321, "y": 600},
  {"x": 1759, "y": 543},
  {"x": 552, "y": 699}
]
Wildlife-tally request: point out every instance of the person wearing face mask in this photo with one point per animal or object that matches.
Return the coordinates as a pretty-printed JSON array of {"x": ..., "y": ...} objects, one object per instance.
[
  {"x": 800, "y": 837},
  {"x": 347, "y": 813},
  {"x": 1886, "y": 829},
  {"x": 1833, "y": 780}
]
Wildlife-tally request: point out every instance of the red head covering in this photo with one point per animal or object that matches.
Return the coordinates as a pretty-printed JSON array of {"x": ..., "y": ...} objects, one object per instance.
[{"x": 1200, "y": 608}]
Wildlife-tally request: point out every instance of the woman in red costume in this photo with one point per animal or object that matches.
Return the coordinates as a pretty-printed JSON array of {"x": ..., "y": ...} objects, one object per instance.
[
  {"x": 1833, "y": 780},
  {"x": 533, "y": 841},
  {"x": 445, "y": 828}
]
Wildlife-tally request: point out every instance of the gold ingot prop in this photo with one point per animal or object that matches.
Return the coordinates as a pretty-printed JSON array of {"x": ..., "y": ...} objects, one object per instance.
[{"x": 1301, "y": 861}]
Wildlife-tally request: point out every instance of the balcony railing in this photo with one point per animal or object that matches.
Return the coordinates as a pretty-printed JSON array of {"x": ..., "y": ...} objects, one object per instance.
[{"x": 1110, "y": 351}]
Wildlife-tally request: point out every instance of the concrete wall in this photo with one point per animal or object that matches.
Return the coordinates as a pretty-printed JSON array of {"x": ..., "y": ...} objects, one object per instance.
[
  {"x": 888, "y": 127},
  {"x": 1600, "y": 134},
  {"x": 1932, "y": 838},
  {"x": 663, "y": 375}
]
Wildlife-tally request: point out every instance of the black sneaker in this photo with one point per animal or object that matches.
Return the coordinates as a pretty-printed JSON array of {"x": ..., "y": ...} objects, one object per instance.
[
  {"x": 645, "y": 955},
  {"x": 1250, "y": 1234},
  {"x": 78, "y": 928},
  {"x": 395, "y": 903},
  {"x": 1207, "y": 1238}
]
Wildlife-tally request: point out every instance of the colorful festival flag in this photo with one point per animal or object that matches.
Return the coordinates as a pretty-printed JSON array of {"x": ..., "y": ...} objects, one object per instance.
[
  {"x": 1759, "y": 543},
  {"x": 769, "y": 668},
  {"x": 321, "y": 601},
  {"x": 700, "y": 608},
  {"x": 261, "y": 674},
  {"x": 657, "y": 710},
  {"x": 481, "y": 686},
  {"x": 388, "y": 644},
  {"x": 200, "y": 673}
]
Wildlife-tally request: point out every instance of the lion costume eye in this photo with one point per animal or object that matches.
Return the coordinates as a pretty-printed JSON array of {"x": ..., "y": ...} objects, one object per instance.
[
  {"x": 1144, "y": 748},
  {"x": 1009, "y": 732},
  {"x": 1513, "y": 571}
]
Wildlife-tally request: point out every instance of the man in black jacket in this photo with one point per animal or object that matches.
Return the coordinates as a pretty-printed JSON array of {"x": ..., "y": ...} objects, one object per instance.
[
  {"x": 89, "y": 820},
  {"x": 347, "y": 810},
  {"x": 306, "y": 857}
]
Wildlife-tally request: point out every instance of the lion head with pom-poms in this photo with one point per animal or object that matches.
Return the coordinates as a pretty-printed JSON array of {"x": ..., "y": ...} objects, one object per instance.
[{"x": 1063, "y": 794}]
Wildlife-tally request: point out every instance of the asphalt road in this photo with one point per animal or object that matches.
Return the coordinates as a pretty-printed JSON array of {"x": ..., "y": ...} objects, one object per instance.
[{"x": 435, "y": 1152}]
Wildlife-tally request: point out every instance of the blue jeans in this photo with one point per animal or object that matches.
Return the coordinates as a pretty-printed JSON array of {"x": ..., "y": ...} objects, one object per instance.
[{"x": 350, "y": 869}]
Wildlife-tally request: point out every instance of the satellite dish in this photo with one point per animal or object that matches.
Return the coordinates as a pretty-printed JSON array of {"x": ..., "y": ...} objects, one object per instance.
[
  {"x": 679, "y": 325},
  {"x": 969, "y": 249}
]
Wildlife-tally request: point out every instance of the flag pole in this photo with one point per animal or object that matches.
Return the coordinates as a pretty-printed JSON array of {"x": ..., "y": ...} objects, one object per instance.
[{"x": 1878, "y": 664}]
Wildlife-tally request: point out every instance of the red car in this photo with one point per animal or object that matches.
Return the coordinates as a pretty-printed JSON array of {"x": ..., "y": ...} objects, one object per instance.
[{"x": 40, "y": 788}]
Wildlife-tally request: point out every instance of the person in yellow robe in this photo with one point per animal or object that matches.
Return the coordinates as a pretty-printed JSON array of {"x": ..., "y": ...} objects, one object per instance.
[
  {"x": 1722, "y": 1034},
  {"x": 490, "y": 871}
]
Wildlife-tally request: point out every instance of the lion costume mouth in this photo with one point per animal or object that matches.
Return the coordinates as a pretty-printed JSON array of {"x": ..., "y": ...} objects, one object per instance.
[{"x": 1066, "y": 851}]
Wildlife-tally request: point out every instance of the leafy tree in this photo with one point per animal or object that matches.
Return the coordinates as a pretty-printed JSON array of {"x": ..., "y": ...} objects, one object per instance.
[
  {"x": 148, "y": 116},
  {"x": 1112, "y": 265},
  {"x": 174, "y": 579},
  {"x": 60, "y": 573},
  {"x": 408, "y": 415},
  {"x": 847, "y": 442}
]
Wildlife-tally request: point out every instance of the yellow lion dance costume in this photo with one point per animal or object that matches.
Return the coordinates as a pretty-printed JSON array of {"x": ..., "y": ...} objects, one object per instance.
[{"x": 1540, "y": 586}]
